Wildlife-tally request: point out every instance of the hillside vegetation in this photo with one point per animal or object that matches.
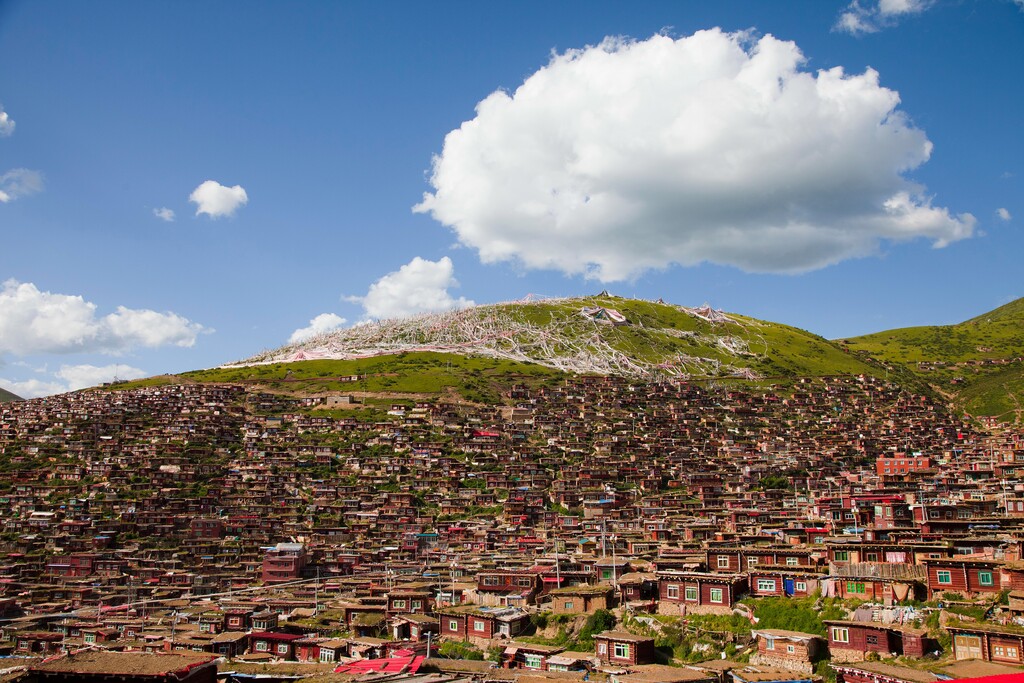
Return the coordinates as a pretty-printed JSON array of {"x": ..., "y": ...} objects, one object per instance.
[
  {"x": 481, "y": 351},
  {"x": 975, "y": 363},
  {"x": 8, "y": 396}
]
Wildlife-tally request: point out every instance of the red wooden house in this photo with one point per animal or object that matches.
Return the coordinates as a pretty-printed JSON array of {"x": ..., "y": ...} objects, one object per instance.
[
  {"x": 851, "y": 641},
  {"x": 698, "y": 592},
  {"x": 988, "y": 642},
  {"x": 968, "y": 576},
  {"x": 281, "y": 645}
]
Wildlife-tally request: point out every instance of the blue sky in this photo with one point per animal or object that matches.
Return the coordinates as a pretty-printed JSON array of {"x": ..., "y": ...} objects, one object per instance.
[{"x": 667, "y": 159}]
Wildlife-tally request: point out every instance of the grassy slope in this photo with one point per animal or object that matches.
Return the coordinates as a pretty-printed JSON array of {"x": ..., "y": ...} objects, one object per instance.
[
  {"x": 476, "y": 379},
  {"x": 777, "y": 352},
  {"x": 964, "y": 348},
  {"x": 7, "y": 396}
]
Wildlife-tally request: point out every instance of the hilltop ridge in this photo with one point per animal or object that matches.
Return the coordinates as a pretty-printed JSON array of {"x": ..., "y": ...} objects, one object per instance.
[
  {"x": 601, "y": 334},
  {"x": 976, "y": 363}
]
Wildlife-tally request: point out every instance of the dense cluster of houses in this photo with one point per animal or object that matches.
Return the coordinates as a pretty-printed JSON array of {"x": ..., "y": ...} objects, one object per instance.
[{"x": 223, "y": 520}]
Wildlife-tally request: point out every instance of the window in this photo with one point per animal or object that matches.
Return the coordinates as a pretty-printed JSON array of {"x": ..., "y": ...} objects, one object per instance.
[
  {"x": 532, "y": 661},
  {"x": 871, "y": 640},
  {"x": 841, "y": 555},
  {"x": 478, "y": 625},
  {"x": 840, "y": 635},
  {"x": 90, "y": 637},
  {"x": 671, "y": 591},
  {"x": 751, "y": 562},
  {"x": 790, "y": 649},
  {"x": 766, "y": 585},
  {"x": 800, "y": 586},
  {"x": 985, "y": 578},
  {"x": 262, "y": 646},
  {"x": 792, "y": 561},
  {"x": 716, "y": 595},
  {"x": 282, "y": 649},
  {"x": 621, "y": 650},
  {"x": 602, "y": 648},
  {"x": 416, "y": 604},
  {"x": 398, "y": 604},
  {"x": 524, "y": 581},
  {"x": 769, "y": 643},
  {"x": 723, "y": 561},
  {"x": 606, "y": 573},
  {"x": 491, "y": 581},
  {"x": 1011, "y": 651},
  {"x": 855, "y": 587},
  {"x": 453, "y": 625},
  {"x": 691, "y": 593},
  {"x": 872, "y": 557},
  {"x": 326, "y": 655},
  {"x": 568, "y": 604},
  {"x": 944, "y": 576}
]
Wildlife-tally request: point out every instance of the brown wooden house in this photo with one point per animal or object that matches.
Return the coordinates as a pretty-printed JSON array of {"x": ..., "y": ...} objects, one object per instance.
[
  {"x": 788, "y": 649},
  {"x": 624, "y": 649}
]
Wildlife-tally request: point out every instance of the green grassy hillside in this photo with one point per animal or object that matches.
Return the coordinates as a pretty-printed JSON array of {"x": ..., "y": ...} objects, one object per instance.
[
  {"x": 975, "y": 363},
  {"x": 480, "y": 352},
  {"x": 8, "y": 396}
]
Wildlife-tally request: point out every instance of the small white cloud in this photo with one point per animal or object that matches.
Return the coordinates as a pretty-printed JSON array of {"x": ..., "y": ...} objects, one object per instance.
[
  {"x": 34, "y": 321},
  {"x": 855, "y": 21},
  {"x": 872, "y": 16},
  {"x": 32, "y": 388},
  {"x": 128, "y": 328},
  {"x": 635, "y": 155},
  {"x": 19, "y": 182},
  {"x": 71, "y": 378},
  {"x": 6, "y": 123},
  {"x": 164, "y": 214},
  {"x": 1003, "y": 213},
  {"x": 325, "y": 322},
  {"x": 420, "y": 286},
  {"x": 216, "y": 200},
  {"x": 82, "y": 376},
  {"x": 897, "y": 7}
]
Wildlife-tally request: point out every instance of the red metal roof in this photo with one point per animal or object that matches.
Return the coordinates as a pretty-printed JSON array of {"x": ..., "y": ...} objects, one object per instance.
[
  {"x": 394, "y": 665},
  {"x": 1002, "y": 678}
]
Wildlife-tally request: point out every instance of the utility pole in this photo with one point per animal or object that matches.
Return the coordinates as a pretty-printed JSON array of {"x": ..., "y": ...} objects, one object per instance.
[
  {"x": 604, "y": 544},
  {"x": 615, "y": 583}
]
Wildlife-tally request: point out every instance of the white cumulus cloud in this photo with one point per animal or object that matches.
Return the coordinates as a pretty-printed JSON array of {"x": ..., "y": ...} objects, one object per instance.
[
  {"x": 71, "y": 378},
  {"x": 325, "y": 322},
  {"x": 633, "y": 155},
  {"x": 216, "y": 200},
  {"x": 6, "y": 123},
  {"x": 33, "y": 321},
  {"x": 83, "y": 376},
  {"x": 1002, "y": 212},
  {"x": 164, "y": 214},
  {"x": 420, "y": 286},
  {"x": 19, "y": 182},
  {"x": 32, "y": 388},
  {"x": 870, "y": 17}
]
